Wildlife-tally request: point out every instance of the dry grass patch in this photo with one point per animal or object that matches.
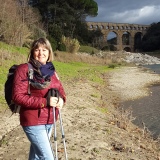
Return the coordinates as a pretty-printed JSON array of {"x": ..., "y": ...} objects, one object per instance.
[{"x": 82, "y": 57}]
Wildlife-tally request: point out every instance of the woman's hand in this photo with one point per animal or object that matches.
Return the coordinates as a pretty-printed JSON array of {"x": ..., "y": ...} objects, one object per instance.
[
  {"x": 60, "y": 103},
  {"x": 55, "y": 102}
]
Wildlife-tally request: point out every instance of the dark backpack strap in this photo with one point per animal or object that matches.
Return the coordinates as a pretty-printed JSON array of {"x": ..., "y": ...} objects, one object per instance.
[{"x": 30, "y": 76}]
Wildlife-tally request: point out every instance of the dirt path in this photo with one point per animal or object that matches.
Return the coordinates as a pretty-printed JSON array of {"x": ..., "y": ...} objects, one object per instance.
[{"x": 94, "y": 128}]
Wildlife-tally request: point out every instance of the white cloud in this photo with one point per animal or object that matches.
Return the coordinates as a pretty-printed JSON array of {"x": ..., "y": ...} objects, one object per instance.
[
  {"x": 143, "y": 15},
  {"x": 139, "y": 12}
]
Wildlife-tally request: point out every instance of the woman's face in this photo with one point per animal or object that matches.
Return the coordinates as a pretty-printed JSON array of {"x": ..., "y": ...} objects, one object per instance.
[{"x": 41, "y": 54}]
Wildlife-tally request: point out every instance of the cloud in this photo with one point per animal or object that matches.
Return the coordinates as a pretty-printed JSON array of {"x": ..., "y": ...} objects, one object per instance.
[
  {"x": 137, "y": 16},
  {"x": 122, "y": 11}
]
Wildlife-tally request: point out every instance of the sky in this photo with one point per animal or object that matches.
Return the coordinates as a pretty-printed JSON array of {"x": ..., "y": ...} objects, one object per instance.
[{"x": 143, "y": 12}]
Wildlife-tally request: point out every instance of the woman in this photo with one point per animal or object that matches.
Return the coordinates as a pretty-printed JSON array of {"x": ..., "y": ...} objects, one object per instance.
[{"x": 36, "y": 112}]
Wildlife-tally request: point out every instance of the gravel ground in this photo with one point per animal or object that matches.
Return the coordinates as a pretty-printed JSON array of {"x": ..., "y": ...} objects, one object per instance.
[{"x": 132, "y": 82}]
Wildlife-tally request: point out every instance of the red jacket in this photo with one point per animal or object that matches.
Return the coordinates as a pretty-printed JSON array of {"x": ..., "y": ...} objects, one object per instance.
[{"x": 31, "y": 112}]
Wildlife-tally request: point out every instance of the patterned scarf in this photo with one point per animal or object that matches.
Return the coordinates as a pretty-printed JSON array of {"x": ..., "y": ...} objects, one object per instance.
[{"x": 41, "y": 74}]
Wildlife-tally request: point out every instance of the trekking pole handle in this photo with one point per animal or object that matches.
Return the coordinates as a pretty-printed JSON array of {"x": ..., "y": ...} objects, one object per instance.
[
  {"x": 55, "y": 92},
  {"x": 52, "y": 92}
]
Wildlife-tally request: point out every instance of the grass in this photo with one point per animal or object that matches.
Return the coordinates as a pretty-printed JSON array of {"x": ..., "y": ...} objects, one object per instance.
[
  {"x": 88, "y": 49},
  {"x": 13, "y": 49},
  {"x": 75, "y": 70},
  {"x": 103, "y": 110}
]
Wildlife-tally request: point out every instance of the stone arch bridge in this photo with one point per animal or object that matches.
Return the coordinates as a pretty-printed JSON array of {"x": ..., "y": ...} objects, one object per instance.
[{"x": 120, "y": 29}]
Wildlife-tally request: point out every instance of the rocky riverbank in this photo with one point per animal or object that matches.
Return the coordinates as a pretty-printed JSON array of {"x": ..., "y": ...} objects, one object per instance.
[
  {"x": 140, "y": 59},
  {"x": 130, "y": 57}
]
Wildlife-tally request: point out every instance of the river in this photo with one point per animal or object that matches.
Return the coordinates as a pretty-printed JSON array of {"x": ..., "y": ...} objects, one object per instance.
[{"x": 147, "y": 110}]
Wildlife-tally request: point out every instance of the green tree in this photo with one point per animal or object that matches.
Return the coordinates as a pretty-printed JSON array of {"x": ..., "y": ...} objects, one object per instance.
[
  {"x": 151, "y": 40},
  {"x": 67, "y": 15}
]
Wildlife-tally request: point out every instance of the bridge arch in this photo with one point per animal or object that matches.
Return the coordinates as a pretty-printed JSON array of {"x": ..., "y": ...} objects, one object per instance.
[
  {"x": 110, "y": 35},
  {"x": 134, "y": 31}
]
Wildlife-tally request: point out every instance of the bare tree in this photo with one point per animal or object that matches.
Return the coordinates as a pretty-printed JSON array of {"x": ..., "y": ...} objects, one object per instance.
[{"x": 17, "y": 20}]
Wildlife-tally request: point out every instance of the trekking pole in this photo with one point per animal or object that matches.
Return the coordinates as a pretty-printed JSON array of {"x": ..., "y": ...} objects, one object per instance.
[
  {"x": 55, "y": 132},
  {"x": 61, "y": 125},
  {"x": 56, "y": 94},
  {"x": 63, "y": 136}
]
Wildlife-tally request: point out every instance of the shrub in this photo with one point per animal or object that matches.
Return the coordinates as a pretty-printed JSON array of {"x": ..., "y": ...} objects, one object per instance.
[
  {"x": 105, "y": 48},
  {"x": 111, "y": 66},
  {"x": 88, "y": 49},
  {"x": 72, "y": 45},
  {"x": 53, "y": 43},
  {"x": 61, "y": 47}
]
